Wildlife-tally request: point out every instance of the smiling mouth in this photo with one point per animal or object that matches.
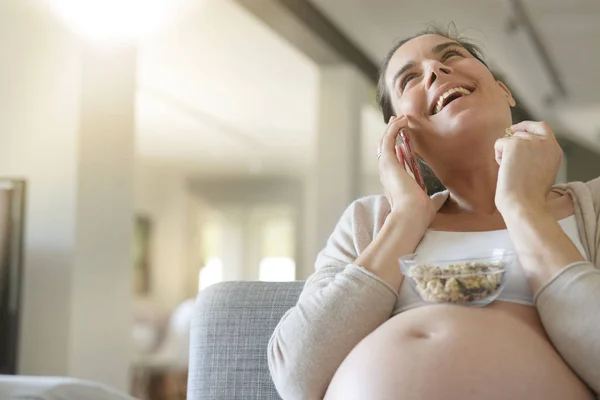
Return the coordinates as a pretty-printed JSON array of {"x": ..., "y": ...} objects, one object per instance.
[{"x": 449, "y": 96}]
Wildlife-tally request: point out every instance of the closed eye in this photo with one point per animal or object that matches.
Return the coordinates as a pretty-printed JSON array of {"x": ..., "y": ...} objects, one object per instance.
[
  {"x": 407, "y": 78},
  {"x": 451, "y": 53}
]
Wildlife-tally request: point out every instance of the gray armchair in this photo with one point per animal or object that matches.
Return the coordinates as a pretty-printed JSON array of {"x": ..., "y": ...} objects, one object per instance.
[{"x": 231, "y": 327}]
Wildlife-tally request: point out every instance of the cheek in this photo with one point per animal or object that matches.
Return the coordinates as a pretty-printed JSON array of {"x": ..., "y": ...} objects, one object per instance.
[
  {"x": 494, "y": 98},
  {"x": 412, "y": 104},
  {"x": 490, "y": 88}
]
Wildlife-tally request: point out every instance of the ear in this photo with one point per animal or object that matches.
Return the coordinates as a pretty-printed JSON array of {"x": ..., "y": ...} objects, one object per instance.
[{"x": 507, "y": 93}]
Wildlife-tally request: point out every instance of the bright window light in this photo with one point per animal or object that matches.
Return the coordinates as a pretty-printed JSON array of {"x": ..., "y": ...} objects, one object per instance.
[
  {"x": 114, "y": 20},
  {"x": 277, "y": 269},
  {"x": 211, "y": 273}
]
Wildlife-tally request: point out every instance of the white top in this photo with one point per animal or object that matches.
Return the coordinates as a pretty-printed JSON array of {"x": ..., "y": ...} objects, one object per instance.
[{"x": 456, "y": 245}]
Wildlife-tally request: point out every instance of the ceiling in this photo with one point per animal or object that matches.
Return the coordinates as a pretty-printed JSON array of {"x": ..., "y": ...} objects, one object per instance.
[{"x": 222, "y": 94}]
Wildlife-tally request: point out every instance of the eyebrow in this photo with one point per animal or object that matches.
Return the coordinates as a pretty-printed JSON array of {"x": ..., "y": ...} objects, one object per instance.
[
  {"x": 441, "y": 47},
  {"x": 435, "y": 50}
]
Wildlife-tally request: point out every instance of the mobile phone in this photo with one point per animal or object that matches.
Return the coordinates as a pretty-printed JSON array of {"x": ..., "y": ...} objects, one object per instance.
[{"x": 410, "y": 159}]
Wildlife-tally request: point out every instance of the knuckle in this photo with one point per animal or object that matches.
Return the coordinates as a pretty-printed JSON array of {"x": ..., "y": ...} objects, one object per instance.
[
  {"x": 397, "y": 123},
  {"x": 392, "y": 123}
]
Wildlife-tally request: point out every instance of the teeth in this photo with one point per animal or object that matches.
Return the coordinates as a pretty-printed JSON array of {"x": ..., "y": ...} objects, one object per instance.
[{"x": 440, "y": 103}]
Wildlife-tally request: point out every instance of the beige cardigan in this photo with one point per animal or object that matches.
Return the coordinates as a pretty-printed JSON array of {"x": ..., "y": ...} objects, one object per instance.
[{"x": 342, "y": 303}]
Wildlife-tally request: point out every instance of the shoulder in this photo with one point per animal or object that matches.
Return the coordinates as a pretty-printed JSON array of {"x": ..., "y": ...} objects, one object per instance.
[
  {"x": 594, "y": 188},
  {"x": 590, "y": 188},
  {"x": 361, "y": 221},
  {"x": 372, "y": 204},
  {"x": 353, "y": 233},
  {"x": 369, "y": 211},
  {"x": 586, "y": 192}
]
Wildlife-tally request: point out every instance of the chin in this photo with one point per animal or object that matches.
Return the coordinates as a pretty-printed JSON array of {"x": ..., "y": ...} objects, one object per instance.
[{"x": 472, "y": 121}]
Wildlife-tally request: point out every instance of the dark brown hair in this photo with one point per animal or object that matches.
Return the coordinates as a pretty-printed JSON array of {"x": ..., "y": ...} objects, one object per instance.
[{"x": 383, "y": 97}]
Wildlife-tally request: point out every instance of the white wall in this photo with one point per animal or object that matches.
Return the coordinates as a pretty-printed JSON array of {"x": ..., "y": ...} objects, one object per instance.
[
  {"x": 101, "y": 319},
  {"x": 39, "y": 99},
  {"x": 333, "y": 182},
  {"x": 69, "y": 134},
  {"x": 371, "y": 185}
]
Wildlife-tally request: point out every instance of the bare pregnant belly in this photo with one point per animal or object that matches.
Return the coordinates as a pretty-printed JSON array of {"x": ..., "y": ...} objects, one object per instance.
[{"x": 449, "y": 352}]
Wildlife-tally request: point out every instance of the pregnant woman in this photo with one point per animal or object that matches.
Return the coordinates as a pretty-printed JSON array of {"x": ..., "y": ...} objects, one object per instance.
[{"x": 360, "y": 332}]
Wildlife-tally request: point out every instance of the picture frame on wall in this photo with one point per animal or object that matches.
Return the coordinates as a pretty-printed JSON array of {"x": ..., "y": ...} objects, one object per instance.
[
  {"x": 142, "y": 232},
  {"x": 12, "y": 223}
]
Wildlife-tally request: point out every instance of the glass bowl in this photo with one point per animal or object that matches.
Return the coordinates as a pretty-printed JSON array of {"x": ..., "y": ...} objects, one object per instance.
[{"x": 473, "y": 281}]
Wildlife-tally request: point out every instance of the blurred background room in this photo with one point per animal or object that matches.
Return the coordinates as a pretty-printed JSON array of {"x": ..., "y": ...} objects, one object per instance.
[{"x": 150, "y": 149}]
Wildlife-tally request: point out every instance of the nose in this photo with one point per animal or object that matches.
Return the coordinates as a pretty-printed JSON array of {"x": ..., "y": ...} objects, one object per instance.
[{"x": 435, "y": 70}]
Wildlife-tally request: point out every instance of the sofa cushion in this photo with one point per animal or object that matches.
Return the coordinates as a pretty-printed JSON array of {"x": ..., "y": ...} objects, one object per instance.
[{"x": 231, "y": 327}]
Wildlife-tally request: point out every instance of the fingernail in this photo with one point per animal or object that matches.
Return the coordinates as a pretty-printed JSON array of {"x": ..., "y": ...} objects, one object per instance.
[{"x": 391, "y": 118}]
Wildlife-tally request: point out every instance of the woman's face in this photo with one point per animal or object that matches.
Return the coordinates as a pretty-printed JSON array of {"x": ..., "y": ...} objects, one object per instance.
[{"x": 475, "y": 112}]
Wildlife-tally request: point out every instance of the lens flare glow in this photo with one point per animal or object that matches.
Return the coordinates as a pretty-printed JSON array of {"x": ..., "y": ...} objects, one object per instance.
[{"x": 114, "y": 20}]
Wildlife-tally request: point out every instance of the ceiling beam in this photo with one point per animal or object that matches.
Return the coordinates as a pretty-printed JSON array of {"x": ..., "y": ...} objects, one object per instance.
[
  {"x": 309, "y": 30},
  {"x": 522, "y": 20}
]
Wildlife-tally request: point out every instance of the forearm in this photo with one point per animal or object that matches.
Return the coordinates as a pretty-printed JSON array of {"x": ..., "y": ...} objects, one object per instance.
[
  {"x": 400, "y": 235},
  {"x": 569, "y": 309},
  {"x": 542, "y": 246},
  {"x": 566, "y": 288},
  {"x": 337, "y": 309}
]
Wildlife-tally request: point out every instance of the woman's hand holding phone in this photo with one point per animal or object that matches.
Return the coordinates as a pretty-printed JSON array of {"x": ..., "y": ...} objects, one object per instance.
[
  {"x": 404, "y": 193},
  {"x": 411, "y": 210},
  {"x": 410, "y": 158}
]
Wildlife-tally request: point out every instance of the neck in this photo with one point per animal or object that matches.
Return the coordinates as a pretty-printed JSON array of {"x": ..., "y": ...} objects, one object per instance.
[{"x": 472, "y": 189}]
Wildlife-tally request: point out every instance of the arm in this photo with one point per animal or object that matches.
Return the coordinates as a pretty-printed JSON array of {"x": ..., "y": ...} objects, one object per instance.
[
  {"x": 341, "y": 303},
  {"x": 543, "y": 247},
  {"x": 568, "y": 289}
]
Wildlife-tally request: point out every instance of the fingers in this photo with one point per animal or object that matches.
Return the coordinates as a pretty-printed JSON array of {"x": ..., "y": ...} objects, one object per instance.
[
  {"x": 400, "y": 156},
  {"x": 499, "y": 149},
  {"x": 388, "y": 140},
  {"x": 501, "y": 144},
  {"x": 387, "y": 144},
  {"x": 540, "y": 128},
  {"x": 525, "y": 135}
]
